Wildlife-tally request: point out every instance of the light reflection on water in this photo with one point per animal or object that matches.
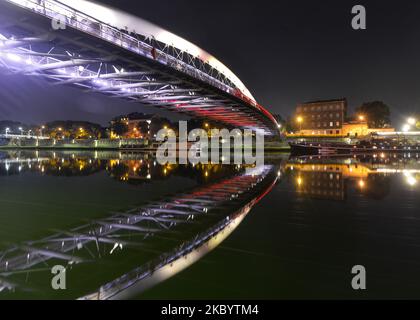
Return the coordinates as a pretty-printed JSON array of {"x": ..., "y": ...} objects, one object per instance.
[{"x": 136, "y": 259}]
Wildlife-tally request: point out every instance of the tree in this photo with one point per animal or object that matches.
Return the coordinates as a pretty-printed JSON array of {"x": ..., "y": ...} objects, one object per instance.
[
  {"x": 290, "y": 125},
  {"x": 144, "y": 128},
  {"x": 377, "y": 113},
  {"x": 119, "y": 128}
]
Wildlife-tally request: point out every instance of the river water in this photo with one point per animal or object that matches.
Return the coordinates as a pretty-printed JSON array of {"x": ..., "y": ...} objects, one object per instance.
[{"x": 124, "y": 226}]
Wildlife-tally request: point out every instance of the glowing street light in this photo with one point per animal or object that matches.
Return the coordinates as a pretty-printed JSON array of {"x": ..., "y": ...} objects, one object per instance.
[
  {"x": 21, "y": 130},
  {"x": 7, "y": 131},
  {"x": 362, "y": 118},
  {"x": 411, "y": 121},
  {"x": 300, "y": 120},
  {"x": 406, "y": 128}
]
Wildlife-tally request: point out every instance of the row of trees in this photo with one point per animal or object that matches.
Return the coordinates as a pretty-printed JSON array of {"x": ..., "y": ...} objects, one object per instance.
[{"x": 73, "y": 130}]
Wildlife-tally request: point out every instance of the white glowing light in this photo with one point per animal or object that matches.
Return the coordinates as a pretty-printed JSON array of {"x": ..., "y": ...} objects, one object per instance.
[
  {"x": 411, "y": 181},
  {"x": 406, "y": 128},
  {"x": 411, "y": 121},
  {"x": 14, "y": 57}
]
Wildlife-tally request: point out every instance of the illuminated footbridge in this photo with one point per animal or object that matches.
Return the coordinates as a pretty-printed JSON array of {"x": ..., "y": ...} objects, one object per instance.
[{"x": 104, "y": 50}]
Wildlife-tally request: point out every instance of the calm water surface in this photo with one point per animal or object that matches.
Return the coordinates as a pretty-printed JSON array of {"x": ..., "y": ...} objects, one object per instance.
[{"x": 127, "y": 227}]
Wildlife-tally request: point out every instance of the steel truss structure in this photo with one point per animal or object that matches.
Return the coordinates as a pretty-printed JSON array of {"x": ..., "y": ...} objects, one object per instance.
[
  {"x": 98, "y": 57},
  {"x": 102, "y": 237}
]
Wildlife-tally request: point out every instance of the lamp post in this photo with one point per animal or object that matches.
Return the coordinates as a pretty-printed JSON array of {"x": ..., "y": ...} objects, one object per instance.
[
  {"x": 300, "y": 120},
  {"x": 406, "y": 128},
  {"x": 40, "y": 131},
  {"x": 21, "y": 131},
  {"x": 411, "y": 121},
  {"x": 7, "y": 131}
]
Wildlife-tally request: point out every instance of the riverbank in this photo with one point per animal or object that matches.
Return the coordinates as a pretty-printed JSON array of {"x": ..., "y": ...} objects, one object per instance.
[{"x": 107, "y": 144}]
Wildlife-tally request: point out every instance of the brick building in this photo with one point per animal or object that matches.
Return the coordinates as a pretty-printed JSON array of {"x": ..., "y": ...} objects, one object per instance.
[{"x": 324, "y": 117}]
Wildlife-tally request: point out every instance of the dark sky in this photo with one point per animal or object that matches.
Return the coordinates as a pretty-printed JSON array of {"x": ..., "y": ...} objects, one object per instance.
[{"x": 285, "y": 52}]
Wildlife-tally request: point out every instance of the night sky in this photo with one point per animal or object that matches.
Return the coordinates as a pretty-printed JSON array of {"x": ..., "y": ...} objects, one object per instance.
[{"x": 285, "y": 52}]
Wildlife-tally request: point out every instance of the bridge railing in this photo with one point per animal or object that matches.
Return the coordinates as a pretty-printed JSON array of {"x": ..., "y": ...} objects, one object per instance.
[{"x": 78, "y": 20}]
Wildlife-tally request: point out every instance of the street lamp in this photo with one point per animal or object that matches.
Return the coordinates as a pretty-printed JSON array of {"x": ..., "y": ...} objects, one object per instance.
[
  {"x": 411, "y": 121},
  {"x": 7, "y": 131},
  {"x": 406, "y": 128},
  {"x": 40, "y": 131},
  {"x": 21, "y": 131},
  {"x": 300, "y": 120},
  {"x": 362, "y": 118}
]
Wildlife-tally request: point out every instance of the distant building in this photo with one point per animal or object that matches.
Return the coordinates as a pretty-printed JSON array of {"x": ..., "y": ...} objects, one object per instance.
[
  {"x": 329, "y": 118},
  {"x": 324, "y": 117},
  {"x": 140, "y": 125}
]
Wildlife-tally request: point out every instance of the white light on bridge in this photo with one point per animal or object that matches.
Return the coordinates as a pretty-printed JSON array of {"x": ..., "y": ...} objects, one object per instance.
[{"x": 14, "y": 57}]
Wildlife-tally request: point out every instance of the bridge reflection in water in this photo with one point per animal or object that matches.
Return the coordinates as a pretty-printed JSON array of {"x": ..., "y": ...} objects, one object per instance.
[
  {"x": 121, "y": 254},
  {"x": 194, "y": 222}
]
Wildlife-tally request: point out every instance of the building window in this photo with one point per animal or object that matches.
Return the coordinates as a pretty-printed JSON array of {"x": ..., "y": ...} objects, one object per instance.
[
  {"x": 331, "y": 124},
  {"x": 338, "y": 123}
]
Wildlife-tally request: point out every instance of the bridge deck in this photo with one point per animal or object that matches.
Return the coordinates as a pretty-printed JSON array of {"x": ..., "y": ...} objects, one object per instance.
[{"x": 100, "y": 58}]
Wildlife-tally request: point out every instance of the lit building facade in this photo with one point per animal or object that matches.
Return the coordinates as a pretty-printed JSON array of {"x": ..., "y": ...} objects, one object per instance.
[
  {"x": 329, "y": 118},
  {"x": 138, "y": 125},
  {"x": 324, "y": 117}
]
